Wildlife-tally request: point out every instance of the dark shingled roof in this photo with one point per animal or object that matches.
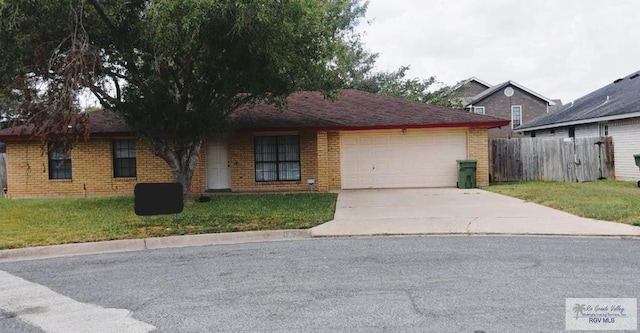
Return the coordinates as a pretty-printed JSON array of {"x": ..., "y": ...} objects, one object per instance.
[
  {"x": 100, "y": 122},
  {"x": 356, "y": 109},
  {"x": 616, "y": 99},
  {"x": 310, "y": 110},
  {"x": 479, "y": 97}
]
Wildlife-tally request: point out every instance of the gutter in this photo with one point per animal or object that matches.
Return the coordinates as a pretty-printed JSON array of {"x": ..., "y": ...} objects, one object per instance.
[
  {"x": 579, "y": 122},
  {"x": 488, "y": 124}
]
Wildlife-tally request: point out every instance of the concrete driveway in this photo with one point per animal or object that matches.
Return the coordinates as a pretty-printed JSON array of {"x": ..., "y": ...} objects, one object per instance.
[{"x": 454, "y": 211}]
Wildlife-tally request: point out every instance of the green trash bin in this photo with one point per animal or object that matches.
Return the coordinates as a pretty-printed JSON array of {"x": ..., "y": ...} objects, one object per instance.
[{"x": 467, "y": 173}]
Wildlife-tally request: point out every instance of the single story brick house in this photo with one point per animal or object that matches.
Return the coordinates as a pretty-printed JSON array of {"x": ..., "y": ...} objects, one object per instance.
[{"x": 362, "y": 140}]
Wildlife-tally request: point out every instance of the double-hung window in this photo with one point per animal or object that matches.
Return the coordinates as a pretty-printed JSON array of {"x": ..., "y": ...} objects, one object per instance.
[
  {"x": 277, "y": 158},
  {"x": 124, "y": 158},
  {"x": 59, "y": 162},
  {"x": 516, "y": 116}
]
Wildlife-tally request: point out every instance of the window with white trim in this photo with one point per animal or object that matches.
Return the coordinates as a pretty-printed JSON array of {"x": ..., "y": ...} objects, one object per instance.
[
  {"x": 604, "y": 130},
  {"x": 277, "y": 158},
  {"x": 478, "y": 109},
  {"x": 516, "y": 116}
]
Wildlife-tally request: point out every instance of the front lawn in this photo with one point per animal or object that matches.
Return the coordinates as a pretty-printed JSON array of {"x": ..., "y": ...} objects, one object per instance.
[
  {"x": 608, "y": 200},
  {"x": 33, "y": 222}
]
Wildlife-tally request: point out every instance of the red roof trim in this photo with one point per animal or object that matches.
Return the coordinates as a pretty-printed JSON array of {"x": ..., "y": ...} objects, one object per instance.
[{"x": 491, "y": 124}]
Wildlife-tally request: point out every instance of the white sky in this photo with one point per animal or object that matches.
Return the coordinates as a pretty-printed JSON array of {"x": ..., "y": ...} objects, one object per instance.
[{"x": 558, "y": 48}]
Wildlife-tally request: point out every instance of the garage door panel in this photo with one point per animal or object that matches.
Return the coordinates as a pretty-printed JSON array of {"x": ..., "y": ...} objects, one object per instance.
[{"x": 388, "y": 159}]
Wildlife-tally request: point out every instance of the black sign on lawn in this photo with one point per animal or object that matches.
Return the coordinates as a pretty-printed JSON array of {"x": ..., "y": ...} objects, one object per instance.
[{"x": 158, "y": 198}]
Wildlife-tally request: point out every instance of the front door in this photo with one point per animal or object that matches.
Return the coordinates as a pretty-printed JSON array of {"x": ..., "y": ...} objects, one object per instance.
[{"x": 218, "y": 174}]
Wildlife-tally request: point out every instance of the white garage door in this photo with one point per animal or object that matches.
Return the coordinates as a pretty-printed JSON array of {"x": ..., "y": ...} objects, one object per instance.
[{"x": 390, "y": 158}]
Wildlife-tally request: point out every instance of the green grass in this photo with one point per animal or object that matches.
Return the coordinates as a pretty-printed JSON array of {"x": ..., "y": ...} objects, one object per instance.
[
  {"x": 608, "y": 200},
  {"x": 34, "y": 222}
]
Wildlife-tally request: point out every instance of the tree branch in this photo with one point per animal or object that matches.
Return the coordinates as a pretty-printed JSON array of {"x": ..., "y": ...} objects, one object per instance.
[{"x": 104, "y": 17}]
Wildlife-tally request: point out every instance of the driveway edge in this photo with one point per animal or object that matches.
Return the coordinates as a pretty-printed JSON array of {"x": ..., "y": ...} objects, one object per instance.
[
  {"x": 478, "y": 234},
  {"x": 127, "y": 245}
]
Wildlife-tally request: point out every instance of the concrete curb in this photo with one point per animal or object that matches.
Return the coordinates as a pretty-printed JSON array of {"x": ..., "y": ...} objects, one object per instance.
[
  {"x": 478, "y": 234},
  {"x": 127, "y": 245}
]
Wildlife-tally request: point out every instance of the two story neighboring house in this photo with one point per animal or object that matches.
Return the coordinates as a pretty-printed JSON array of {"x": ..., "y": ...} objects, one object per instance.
[{"x": 507, "y": 100}]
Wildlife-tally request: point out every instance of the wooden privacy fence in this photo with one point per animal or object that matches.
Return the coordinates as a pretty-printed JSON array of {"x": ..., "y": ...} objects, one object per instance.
[
  {"x": 559, "y": 159},
  {"x": 3, "y": 172}
]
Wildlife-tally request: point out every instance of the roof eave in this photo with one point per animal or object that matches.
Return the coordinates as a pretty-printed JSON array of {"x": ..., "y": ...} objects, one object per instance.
[
  {"x": 482, "y": 96},
  {"x": 579, "y": 122},
  {"x": 29, "y": 137},
  {"x": 487, "y": 124}
]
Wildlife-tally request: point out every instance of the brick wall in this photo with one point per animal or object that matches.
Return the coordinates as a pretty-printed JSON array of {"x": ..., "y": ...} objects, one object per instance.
[
  {"x": 477, "y": 150},
  {"x": 243, "y": 177},
  {"x": 471, "y": 89},
  {"x": 91, "y": 171},
  {"x": 333, "y": 149},
  {"x": 92, "y": 167},
  {"x": 498, "y": 105}
]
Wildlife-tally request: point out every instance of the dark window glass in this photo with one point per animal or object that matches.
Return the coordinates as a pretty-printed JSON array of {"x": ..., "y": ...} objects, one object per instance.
[
  {"x": 59, "y": 162},
  {"x": 277, "y": 158},
  {"x": 124, "y": 158},
  {"x": 516, "y": 116},
  {"x": 572, "y": 132}
]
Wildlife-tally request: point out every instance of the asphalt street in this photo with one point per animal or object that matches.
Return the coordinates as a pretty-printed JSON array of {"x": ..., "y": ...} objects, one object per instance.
[{"x": 369, "y": 284}]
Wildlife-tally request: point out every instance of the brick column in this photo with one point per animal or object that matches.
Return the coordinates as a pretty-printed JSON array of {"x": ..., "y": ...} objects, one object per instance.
[
  {"x": 479, "y": 150},
  {"x": 322, "y": 179}
]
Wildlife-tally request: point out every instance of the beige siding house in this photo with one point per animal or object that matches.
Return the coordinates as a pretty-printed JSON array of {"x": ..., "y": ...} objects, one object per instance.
[{"x": 613, "y": 110}]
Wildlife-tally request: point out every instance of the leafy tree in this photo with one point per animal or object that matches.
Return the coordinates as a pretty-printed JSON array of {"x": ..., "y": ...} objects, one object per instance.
[
  {"x": 396, "y": 84},
  {"x": 360, "y": 75},
  {"x": 174, "y": 70}
]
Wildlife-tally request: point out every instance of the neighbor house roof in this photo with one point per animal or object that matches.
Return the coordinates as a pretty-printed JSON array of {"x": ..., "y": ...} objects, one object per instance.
[
  {"x": 498, "y": 87},
  {"x": 617, "y": 100},
  {"x": 471, "y": 79},
  {"x": 352, "y": 110},
  {"x": 355, "y": 110}
]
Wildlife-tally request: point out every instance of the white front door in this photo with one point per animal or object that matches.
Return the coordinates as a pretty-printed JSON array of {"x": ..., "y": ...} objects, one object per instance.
[{"x": 218, "y": 174}]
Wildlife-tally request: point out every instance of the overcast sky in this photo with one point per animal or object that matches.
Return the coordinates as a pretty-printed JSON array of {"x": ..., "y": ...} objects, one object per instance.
[{"x": 558, "y": 48}]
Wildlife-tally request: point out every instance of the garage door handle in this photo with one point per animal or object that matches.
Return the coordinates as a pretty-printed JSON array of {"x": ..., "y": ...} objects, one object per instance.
[{"x": 374, "y": 167}]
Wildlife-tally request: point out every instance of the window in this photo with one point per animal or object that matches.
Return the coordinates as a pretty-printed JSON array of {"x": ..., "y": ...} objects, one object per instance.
[
  {"x": 277, "y": 158},
  {"x": 604, "y": 130},
  {"x": 516, "y": 116},
  {"x": 59, "y": 162},
  {"x": 124, "y": 158},
  {"x": 478, "y": 109},
  {"x": 572, "y": 131}
]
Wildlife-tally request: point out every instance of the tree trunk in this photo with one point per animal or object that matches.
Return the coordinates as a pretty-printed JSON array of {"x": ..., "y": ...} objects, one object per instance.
[{"x": 182, "y": 158}]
